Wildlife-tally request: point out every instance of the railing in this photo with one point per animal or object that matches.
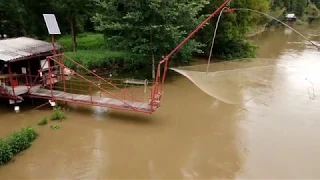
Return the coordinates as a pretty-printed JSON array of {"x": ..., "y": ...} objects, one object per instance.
[
  {"x": 54, "y": 77},
  {"x": 78, "y": 85}
]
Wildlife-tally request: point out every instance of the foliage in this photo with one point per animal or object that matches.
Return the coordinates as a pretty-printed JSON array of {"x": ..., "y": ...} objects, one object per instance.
[
  {"x": 43, "y": 121},
  {"x": 16, "y": 142},
  {"x": 55, "y": 127},
  {"x": 110, "y": 60},
  {"x": 293, "y": 6},
  {"x": 74, "y": 11},
  {"x": 12, "y": 18},
  {"x": 5, "y": 151},
  {"x": 312, "y": 11},
  {"x": 30, "y": 132},
  {"x": 58, "y": 114},
  {"x": 21, "y": 140},
  {"x": 230, "y": 41},
  {"x": 149, "y": 27}
]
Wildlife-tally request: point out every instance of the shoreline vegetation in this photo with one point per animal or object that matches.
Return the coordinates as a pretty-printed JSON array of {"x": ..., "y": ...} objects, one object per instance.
[
  {"x": 21, "y": 140},
  {"x": 15, "y": 143},
  {"x": 130, "y": 38}
]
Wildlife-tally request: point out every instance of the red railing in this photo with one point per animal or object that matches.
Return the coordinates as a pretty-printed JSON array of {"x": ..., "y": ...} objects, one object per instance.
[{"x": 120, "y": 89}]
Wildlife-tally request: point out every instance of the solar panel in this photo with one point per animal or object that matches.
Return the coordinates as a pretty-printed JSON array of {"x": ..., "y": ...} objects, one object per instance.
[{"x": 52, "y": 24}]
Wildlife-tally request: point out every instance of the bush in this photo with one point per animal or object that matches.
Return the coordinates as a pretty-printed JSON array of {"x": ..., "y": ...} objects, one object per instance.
[
  {"x": 18, "y": 142},
  {"x": 109, "y": 60},
  {"x": 58, "y": 114},
  {"x": 43, "y": 122},
  {"x": 15, "y": 143},
  {"x": 30, "y": 133},
  {"x": 55, "y": 127},
  {"x": 5, "y": 152}
]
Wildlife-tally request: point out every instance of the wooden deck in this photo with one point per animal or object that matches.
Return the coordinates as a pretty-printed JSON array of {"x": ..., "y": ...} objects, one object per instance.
[
  {"x": 94, "y": 100},
  {"x": 19, "y": 90}
]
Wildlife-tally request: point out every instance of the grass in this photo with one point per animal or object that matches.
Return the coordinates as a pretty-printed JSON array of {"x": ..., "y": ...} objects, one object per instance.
[
  {"x": 85, "y": 41},
  {"x": 93, "y": 54}
]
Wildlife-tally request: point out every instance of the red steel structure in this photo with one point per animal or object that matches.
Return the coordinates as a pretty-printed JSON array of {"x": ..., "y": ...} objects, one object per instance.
[{"x": 54, "y": 84}]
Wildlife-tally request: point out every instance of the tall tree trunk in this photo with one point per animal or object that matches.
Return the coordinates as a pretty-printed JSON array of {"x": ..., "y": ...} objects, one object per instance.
[
  {"x": 73, "y": 23},
  {"x": 1, "y": 27},
  {"x": 153, "y": 61},
  {"x": 153, "y": 67}
]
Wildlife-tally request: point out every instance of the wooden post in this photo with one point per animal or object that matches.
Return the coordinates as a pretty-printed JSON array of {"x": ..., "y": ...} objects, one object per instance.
[
  {"x": 29, "y": 72},
  {"x": 63, "y": 75},
  {"x": 11, "y": 79},
  {"x": 91, "y": 92},
  {"x": 53, "y": 47},
  {"x": 50, "y": 77}
]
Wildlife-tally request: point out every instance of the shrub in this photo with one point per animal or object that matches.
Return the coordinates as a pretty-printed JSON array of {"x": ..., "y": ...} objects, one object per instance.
[
  {"x": 43, "y": 122},
  {"x": 5, "y": 152},
  {"x": 18, "y": 142},
  {"x": 58, "y": 114},
  {"x": 55, "y": 127},
  {"x": 30, "y": 133}
]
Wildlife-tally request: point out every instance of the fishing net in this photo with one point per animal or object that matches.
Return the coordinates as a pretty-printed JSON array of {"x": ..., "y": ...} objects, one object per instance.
[
  {"x": 233, "y": 82},
  {"x": 254, "y": 30}
]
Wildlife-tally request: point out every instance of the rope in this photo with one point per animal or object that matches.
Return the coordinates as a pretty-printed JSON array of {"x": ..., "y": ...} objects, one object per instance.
[
  {"x": 247, "y": 9},
  {"x": 214, "y": 37}
]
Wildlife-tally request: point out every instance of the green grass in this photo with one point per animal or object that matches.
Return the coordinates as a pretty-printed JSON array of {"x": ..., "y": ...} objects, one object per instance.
[
  {"x": 86, "y": 41},
  {"x": 104, "y": 59},
  {"x": 93, "y": 54}
]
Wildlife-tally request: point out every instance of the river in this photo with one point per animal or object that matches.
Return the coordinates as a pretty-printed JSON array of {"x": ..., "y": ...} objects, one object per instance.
[{"x": 192, "y": 135}]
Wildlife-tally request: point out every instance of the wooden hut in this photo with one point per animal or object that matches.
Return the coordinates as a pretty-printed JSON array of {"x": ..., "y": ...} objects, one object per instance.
[{"x": 20, "y": 61}]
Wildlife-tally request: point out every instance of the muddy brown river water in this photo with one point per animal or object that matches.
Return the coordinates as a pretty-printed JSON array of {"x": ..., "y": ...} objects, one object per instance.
[{"x": 192, "y": 135}]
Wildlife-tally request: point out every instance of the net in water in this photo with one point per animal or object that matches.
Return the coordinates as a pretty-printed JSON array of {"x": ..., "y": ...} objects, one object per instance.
[{"x": 242, "y": 81}]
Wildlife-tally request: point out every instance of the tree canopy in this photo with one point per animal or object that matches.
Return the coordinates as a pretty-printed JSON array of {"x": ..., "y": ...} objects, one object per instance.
[{"x": 147, "y": 27}]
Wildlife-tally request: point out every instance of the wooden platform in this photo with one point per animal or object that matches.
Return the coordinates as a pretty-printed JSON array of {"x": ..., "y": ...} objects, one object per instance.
[{"x": 94, "y": 100}]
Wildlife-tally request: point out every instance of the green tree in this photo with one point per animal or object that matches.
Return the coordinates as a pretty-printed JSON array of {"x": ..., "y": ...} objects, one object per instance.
[
  {"x": 12, "y": 18},
  {"x": 230, "y": 41},
  {"x": 74, "y": 11},
  {"x": 151, "y": 27}
]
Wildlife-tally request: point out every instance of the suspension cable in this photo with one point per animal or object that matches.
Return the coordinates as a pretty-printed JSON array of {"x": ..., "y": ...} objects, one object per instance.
[{"x": 214, "y": 37}]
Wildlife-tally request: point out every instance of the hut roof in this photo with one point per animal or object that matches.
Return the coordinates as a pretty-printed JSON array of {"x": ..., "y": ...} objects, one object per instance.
[{"x": 14, "y": 49}]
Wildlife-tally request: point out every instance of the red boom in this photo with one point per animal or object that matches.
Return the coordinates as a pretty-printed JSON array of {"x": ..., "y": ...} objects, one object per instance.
[{"x": 165, "y": 60}]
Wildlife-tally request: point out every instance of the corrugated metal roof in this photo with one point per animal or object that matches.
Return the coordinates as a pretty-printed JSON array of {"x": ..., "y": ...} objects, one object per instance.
[{"x": 18, "y": 48}]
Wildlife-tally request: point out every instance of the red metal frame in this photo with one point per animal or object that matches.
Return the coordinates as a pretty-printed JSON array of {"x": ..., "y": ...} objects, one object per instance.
[{"x": 58, "y": 59}]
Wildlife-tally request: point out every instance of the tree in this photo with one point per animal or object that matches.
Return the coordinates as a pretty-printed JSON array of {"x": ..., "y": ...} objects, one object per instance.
[
  {"x": 12, "y": 18},
  {"x": 73, "y": 10},
  {"x": 149, "y": 26},
  {"x": 230, "y": 41}
]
